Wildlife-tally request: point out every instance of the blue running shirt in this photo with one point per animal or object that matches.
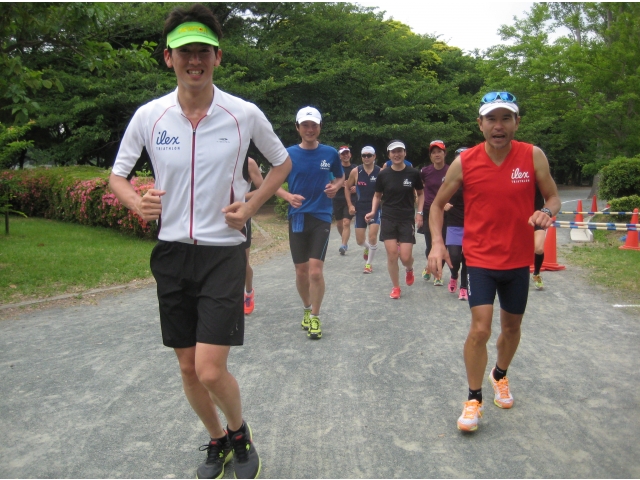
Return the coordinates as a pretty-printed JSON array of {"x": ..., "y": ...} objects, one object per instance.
[{"x": 310, "y": 173}]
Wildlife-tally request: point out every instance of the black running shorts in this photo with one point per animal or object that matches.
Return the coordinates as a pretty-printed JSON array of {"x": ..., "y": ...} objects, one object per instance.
[
  {"x": 247, "y": 243},
  {"x": 311, "y": 242},
  {"x": 512, "y": 287},
  {"x": 200, "y": 293},
  {"x": 401, "y": 231},
  {"x": 341, "y": 209}
]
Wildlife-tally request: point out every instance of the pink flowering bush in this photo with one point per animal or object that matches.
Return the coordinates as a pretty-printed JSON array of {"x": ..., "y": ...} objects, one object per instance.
[{"x": 80, "y": 195}]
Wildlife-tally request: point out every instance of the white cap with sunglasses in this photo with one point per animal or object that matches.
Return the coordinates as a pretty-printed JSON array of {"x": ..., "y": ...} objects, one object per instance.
[
  {"x": 493, "y": 100},
  {"x": 368, "y": 149}
]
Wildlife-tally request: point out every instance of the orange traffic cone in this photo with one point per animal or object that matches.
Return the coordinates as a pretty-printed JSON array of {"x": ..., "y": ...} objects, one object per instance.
[
  {"x": 632, "y": 235},
  {"x": 594, "y": 203},
  {"x": 550, "y": 254},
  {"x": 579, "y": 217}
]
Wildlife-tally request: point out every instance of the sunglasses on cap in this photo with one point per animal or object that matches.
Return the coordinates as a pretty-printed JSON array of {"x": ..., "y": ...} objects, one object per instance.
[
  {"x": 493, "y": 96},
  {"x": 460, "y": 150},
  {"x": 436, "y": 141},
  {"x": 367, "y": 155}
]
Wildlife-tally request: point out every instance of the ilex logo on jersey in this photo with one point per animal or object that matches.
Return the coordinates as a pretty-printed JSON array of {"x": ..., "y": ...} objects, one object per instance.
[
  {"x": 407, "y": 183},
  {"x": 324, "y": 165},
  {"x": 519, "y": 177},
  {"x": 167, "y": 142}
]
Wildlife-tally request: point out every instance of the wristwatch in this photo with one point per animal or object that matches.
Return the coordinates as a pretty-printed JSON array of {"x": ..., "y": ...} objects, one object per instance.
[
  {"x": 547, "y": 211},
  {"x": 420, "y": 213}
]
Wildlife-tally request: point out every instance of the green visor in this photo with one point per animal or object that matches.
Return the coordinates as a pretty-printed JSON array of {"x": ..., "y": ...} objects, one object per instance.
[{"x": 191, "y": 32}]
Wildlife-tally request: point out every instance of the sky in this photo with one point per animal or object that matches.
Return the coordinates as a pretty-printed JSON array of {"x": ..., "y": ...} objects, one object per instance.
[{"x": 459, "y": 23}]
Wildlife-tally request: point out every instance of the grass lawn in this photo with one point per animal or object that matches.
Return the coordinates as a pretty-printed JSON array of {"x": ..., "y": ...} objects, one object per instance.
[
  {"x": 41, "y": 258},
  {"x": 609, "y": 266}
]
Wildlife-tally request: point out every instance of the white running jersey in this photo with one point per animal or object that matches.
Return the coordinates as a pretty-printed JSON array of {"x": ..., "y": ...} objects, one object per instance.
[{"x": 199, "y": 167}]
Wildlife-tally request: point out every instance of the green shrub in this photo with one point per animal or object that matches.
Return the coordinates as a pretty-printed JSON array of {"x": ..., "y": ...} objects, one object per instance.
[
  {"x": 621, "y": 178},
  {"x": 624, "y": 204},
  {"x": 282, "y": 206},
  {"x": 78, "y": 194}
]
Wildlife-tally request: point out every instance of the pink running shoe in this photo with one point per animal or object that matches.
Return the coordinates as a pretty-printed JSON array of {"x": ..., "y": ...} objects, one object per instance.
[
  {"x": 463, "y": 295},
  {"x": 453, "y": 285}
]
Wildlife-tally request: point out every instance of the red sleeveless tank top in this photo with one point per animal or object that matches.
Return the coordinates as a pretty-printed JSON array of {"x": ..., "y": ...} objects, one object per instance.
[{"x": 498, "y": 201}]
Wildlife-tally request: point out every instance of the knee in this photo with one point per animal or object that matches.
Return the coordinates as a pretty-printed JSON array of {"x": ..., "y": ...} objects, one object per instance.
[
  {"x": 210, "y": 375},
  {"x": 188, "y": 372},
  {"x": 511, "y": 330},
  {"x": 315, "y": 275},
  {"x": 479, "y": 336}
]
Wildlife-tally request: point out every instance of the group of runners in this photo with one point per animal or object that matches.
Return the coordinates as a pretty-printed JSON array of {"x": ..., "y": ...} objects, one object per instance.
[{"x": 197, "y": 138}]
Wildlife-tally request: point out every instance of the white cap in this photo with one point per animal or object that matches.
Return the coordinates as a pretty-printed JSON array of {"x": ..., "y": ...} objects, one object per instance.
[
  {"x": 308, "y": 113},
  {"x": 344, "y": 149},
  {"x": 394, "y": 145},
  {"x": 499, "y": 103},
  {"x": 368, "y": 150}
]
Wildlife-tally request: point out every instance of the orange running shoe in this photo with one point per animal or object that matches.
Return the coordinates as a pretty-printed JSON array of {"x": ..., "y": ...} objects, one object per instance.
[
  {"x": 395, "y": 293},
  {"x": 471, "y": 413},
  {"x": 249, "y": 303},
  {"x": 503, "y": 397},
  {"x": 409, "y": 278}
]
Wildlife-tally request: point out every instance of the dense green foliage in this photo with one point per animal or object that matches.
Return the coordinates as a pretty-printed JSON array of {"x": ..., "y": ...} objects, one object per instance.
[
  {"x": 624, "y": 204},
  {"x": 580, "y": 93},
  {"x": 75, "y": 194},
  {"x": 80, "y": 70},
  {"x": 620, "y": 178}
]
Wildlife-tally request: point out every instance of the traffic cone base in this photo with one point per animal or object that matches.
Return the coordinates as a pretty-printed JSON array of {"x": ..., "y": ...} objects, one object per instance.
[
  {"x": 632, "y": 235},
  {"x": 550, "y": 262}
]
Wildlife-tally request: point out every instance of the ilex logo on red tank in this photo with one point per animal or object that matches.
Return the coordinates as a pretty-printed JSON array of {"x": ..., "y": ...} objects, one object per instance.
[{"x": 519, "y": 177}]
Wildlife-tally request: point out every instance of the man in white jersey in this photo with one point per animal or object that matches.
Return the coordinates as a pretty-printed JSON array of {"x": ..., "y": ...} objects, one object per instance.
[{"x": 197, "y": 138}]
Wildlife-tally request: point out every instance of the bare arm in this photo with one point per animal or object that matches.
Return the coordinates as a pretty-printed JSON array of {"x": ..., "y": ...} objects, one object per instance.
[
  {"x": 452, "y": 181},
  {"x": 420, "y": 202},
  {"x": 148, "y": 207},
  {"x": 548, "y": 189},
  {"x": 256, "y": 177},
  {"x": 332, "y": 187},
  {"x": 351, "y": 182},
  {"x": 237, "y": 214}
]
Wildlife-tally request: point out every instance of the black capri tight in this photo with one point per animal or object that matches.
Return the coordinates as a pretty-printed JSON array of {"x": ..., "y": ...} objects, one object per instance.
[{"x": 457, "y": 259}]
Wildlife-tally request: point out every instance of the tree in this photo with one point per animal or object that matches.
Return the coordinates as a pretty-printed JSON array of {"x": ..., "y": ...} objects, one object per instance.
[{"x": 579, "y": 93}]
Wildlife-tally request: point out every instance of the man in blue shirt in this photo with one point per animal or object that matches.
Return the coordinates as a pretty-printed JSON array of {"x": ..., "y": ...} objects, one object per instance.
[{"x": 316, "y": 175}]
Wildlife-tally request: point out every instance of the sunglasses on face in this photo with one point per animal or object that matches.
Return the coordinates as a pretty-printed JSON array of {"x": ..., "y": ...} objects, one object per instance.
[
  {"x": 493, "y": 96},
  {"x": 367, "y": 155}
]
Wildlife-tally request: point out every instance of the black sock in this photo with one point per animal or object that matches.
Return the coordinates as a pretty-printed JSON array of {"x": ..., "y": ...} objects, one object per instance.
[
  {"x": 537, "y": 263},
  {"x": 475, "y": 395},
  {"x": 221, "y": 439},
  {"x": 243, "y": 428},
  {"x": 499, "y": 374}
]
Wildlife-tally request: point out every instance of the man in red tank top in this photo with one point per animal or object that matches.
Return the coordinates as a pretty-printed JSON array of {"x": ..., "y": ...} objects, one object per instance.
[{"x": 499, "y": 178}]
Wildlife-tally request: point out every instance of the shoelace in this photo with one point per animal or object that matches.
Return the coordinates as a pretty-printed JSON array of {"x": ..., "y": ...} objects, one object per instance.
[
  {"x": 471, "y": 409},
  {"x": 247, "y": 301},
  {"x": 240, "y": 447},
  {"x": 503, "y": 387},
  {"x": 214, "y": 451},
  {"x": 315, "y": 324}
]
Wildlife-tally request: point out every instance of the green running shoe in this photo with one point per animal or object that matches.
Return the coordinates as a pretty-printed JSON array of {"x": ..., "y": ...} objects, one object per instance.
[
  {"x": 425, "y": 274},
  {"x": 306, "y": 320},
  {"x": 314, "y": 333},
  {"x": 537, "y": 281},
  {"x": 438, "y": 282}
]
